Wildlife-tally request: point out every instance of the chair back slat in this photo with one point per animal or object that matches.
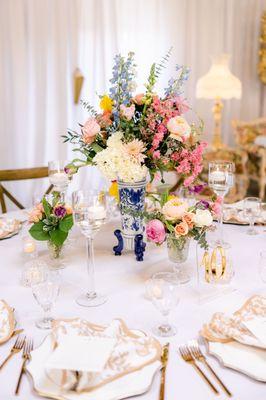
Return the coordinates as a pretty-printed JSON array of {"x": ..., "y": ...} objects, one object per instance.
[
  {"x": 17, "y": 175},
  {"x": 21, "y": 174}
]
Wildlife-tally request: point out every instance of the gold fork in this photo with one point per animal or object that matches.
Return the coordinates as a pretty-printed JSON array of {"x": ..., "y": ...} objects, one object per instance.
[
  {"x": 15, "y": 349},
  {"x": 27, "y": 348},
  {"x": 187, "y": 356},
  {"x": 197, "y": 353}
]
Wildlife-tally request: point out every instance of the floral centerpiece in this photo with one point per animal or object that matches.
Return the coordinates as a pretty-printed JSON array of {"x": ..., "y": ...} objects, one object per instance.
[
  {"x": 171, "y": 218},
  {"x": 51, "y": 221},
  {"x": 137, "y": 134}
]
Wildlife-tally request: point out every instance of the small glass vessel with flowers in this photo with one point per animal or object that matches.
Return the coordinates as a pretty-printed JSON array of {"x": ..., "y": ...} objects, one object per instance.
[
  {"x": 170, "y": 219},
  {"x": 51, "y": 221}
]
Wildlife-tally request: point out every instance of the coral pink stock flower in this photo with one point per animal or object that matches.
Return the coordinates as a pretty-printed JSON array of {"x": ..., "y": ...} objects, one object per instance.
[
  {"x": 90, "y": 129},
  {"x": 139, "y": 99},
  {"x": 181, "y": 229},
  {"x": 127, "y": 112},
  {"x": 155, "y": 231}
]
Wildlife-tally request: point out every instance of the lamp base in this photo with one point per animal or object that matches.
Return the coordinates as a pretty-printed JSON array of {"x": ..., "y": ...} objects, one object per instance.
[{"x": 217, "y": 143}]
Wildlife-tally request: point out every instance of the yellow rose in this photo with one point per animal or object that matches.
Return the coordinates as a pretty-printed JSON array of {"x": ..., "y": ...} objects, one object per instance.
[{"x": 106, "y": 103}]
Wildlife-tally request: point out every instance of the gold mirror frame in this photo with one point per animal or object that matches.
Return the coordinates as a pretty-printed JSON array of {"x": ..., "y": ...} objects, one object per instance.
[{"x": 262, "y": 50}]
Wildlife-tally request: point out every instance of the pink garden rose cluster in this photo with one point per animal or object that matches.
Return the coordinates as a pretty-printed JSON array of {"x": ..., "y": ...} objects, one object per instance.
[
  {"x": 177, "y": 218},
  {"x": 154, "y": 128}
]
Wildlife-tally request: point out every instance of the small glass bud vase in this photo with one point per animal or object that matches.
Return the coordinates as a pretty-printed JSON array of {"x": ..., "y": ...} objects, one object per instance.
[
  {"x": 178, "y": 253},
  {"x": 56, "y": 256}
]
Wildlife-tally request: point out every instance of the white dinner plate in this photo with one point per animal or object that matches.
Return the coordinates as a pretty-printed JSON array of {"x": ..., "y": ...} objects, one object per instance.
[
  {"x": 132, "y": 384},
  {"x": 249, "y": 360}
]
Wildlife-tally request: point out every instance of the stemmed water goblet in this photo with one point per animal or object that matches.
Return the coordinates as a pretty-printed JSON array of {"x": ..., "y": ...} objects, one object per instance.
[
  {"x": 90, "y": 213},
  {"x": 221, "y": 179},
  {"x": 252, "y": 210},
  {"x": 163, "y": 290},
  {"x": 45, "y": 293},
  {"x": 58, "y": 176}
]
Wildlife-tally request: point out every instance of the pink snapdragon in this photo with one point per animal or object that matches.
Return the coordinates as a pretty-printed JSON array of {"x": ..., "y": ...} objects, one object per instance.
[{"x": 155, "y": 231}]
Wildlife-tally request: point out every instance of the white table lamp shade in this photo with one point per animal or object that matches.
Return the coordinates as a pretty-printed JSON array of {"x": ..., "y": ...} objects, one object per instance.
[{"x": 219, "y": 82}]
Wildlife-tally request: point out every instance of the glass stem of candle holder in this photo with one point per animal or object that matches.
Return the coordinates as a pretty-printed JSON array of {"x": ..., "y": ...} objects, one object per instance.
[
  {"x": 220, "y": 222},
  {"x": 90, "y": 263}
]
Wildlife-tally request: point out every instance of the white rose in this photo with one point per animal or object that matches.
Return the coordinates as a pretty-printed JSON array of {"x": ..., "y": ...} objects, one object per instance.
[
  {"x": 179, "y": 128},
  {"x": 203, "y": 218}
]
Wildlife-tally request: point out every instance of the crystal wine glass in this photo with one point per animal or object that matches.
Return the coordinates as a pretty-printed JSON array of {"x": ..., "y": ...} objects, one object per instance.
[
  {"x": 252, "y": 210},
  {"x": 90, "y": 213},
  {"x": 221, "y": 179},
  {"x": 46, "y": 293},
  {"x": 58, "y": 176},
  {"x": 163, "y": 291}
]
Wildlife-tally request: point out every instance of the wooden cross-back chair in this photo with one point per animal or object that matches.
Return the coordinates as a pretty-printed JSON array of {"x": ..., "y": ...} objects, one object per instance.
[{"x": 17, "y": 175}]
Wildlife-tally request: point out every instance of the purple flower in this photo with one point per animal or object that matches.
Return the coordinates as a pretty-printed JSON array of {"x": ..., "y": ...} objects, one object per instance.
[
  {"x": 60, "y": 211},
  {"x": 196, "y": 189},
  {"x": 204, "y": 204}
]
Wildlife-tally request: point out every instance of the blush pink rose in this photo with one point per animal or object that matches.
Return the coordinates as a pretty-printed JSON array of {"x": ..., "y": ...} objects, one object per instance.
[
  {"x": 127, "y": 112},
  {"x": 90, "y": 129},
  {"x": 155, "y": 231},
  {"x": 179, "y": 128},
  {"x": 181, "y": 229},
  {"x": 139, "y": 99}
]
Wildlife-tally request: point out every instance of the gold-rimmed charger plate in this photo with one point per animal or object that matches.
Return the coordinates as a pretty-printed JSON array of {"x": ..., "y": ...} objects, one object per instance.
[{"x": 132, "y": 384}]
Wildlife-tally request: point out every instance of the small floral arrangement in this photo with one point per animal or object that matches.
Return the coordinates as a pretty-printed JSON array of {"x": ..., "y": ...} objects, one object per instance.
[
  {"x": 145, "y": 132},
  {"x": 51, "y": 221},
  {"x": 172, "y": 215}
]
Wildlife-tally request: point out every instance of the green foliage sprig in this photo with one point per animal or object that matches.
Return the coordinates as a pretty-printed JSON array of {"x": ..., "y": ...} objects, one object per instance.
[{"x": 53, "y": 226}]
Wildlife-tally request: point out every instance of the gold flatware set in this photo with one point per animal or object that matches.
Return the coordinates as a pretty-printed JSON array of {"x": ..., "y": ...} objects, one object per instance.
[
  {"x": 21, "y": 343},
  {"x": 164, "y": 360},
  {"x": 27, "y": 348},
  {"x": 191, "y": 354}
]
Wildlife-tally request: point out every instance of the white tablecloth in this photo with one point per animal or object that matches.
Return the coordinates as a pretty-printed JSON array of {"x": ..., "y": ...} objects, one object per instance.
[{"x": 123, "y": 280}]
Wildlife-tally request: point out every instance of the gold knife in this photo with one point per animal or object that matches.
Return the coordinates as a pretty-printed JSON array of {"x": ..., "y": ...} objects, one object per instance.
[{"x": 164, "y": 360}]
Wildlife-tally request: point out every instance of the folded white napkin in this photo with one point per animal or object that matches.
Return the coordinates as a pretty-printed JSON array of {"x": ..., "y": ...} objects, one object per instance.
[
  {"x": 247, "y": 325},
  {"x": 81, "y": 353},
  {"x": 123, "y": 352}
]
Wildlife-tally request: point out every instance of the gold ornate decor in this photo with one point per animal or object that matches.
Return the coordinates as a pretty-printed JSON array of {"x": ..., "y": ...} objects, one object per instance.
[
  {"x": 262, "y": 50},
  {"x": 215, "y": 264},
  {"x": 78, "y": 83}
]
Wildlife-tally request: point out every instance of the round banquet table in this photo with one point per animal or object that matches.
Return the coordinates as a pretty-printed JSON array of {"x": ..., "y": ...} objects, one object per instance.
[{"x": 122, "y": 279}]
